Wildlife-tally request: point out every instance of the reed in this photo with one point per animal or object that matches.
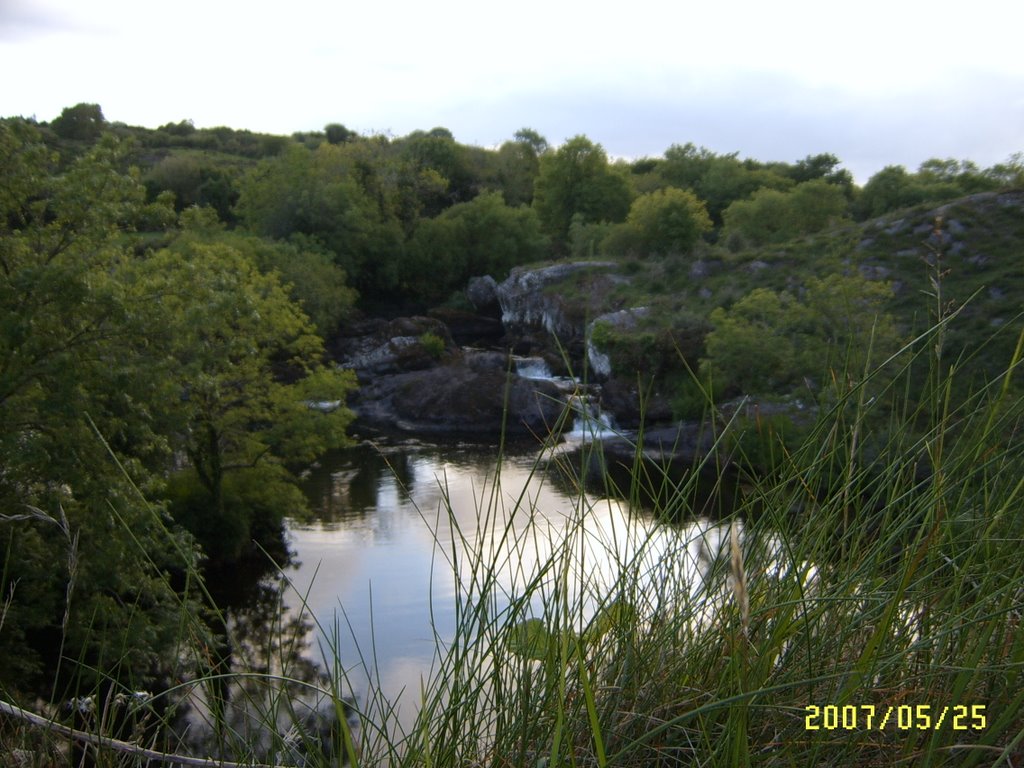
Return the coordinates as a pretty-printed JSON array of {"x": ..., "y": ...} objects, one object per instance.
[{"x": 860, "y": 604}]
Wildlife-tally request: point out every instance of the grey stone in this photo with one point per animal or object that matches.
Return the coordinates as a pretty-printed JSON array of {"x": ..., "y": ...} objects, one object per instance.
[{"x": 482, "y": 292}]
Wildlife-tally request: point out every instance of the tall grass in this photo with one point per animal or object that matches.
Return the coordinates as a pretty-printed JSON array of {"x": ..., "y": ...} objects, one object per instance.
[{"x": 860, "y": 603}]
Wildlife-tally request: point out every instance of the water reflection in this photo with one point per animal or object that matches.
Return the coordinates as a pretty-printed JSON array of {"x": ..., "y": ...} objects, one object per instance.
[{"x": 401, "y": 530}]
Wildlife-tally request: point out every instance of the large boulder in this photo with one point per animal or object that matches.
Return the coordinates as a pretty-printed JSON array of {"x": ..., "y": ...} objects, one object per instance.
[{"x": 470, "y": 395}]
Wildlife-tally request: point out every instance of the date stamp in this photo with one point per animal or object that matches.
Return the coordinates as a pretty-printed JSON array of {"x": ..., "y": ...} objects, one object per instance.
[{"x": 902, "y": 717}]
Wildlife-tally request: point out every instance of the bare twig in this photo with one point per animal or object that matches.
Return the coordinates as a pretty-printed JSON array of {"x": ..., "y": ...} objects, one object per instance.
[{"x": 11, "y": 710}]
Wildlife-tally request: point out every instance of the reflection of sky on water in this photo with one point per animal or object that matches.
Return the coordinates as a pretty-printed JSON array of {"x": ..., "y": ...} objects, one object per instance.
[{"x": 377, "y": 574}]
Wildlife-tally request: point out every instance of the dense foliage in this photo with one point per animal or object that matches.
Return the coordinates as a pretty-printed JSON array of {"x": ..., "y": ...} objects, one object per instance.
[{"x": 121, "y": 366}]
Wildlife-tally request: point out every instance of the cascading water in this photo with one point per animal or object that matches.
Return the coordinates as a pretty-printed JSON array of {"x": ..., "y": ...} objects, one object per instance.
[{"x": 590, "y": 423}]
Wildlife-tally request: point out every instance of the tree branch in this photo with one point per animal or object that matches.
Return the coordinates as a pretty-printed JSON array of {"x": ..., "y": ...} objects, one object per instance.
[{"x": 119, "y": 746}]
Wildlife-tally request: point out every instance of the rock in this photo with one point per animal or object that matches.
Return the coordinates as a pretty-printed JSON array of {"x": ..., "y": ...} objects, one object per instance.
[
  {"x": 469, "y": 329},
  {"x": 623, "y": 398},
  {"x": 940, "y": 238},
  {"x": 623, "y": 320},
  {"x": 757, "y": 266},
  {"x": 873, "y": 271},
  {"x": 700, "y": 269},
  {"x": 956, "y": 227},
  {"x": 482, "y": 293},
  {"x": 378, "y": 347},
  {"x": 474, "y": 395},
  {"x": 526, "y": 305}
]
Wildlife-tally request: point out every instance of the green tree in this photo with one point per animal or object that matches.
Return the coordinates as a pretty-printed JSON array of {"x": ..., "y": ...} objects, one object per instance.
[
  {"x": 756, "y": 344},
  {"x": 73, "y": 369},
  {"x": 668, "y": 221},
  {"x": 244, "y": 379},
  {"x": 577, "y": 179},
  {"x": 771, "y": 342},
  {"x": 82, "y": 122},
  {"x": 483, "y": 236},
  {"x": 519, "y": 164},
  {"x": 337, "y": 133},
  {"x": 772, "y": 216},
  {"x": 305, "y": 267},
  {"x": 318, "y": 195},
  {"x": 718, "y": 180},
  {"x": 1009, "y": 173},
  {"x": 437, "y": 151},
  {"x": 886, "y": 191},
  {"x": 822, "y": 166},
  {"x": 180, "y": 174}
]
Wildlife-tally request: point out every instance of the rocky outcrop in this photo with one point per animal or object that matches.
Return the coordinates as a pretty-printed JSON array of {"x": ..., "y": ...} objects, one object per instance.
[
  {"x": 617, "y": 322},
  {"x": 527, "y": 305},
  {"x": 472, "y": 394},
  {"x": 381, "y": 347}
]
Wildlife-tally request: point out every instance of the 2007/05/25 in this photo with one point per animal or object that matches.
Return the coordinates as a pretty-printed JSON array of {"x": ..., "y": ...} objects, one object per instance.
[{"x": 905, "y": 717}]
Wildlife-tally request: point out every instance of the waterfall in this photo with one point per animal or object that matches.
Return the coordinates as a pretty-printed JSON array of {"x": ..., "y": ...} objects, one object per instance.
[{"x": 590, "y": 423}]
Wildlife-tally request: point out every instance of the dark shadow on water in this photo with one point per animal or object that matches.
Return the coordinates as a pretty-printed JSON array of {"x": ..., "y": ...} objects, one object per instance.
[{"x": 671, "y": 489}]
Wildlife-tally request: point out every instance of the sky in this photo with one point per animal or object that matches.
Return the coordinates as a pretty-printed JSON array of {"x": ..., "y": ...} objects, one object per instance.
[{"x": 876, "y": 83}]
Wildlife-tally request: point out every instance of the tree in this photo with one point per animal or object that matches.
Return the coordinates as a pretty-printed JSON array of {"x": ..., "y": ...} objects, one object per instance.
[
  {"x": 668, "y": 221},
  {"x": 718, "y": 180},
  {"x": 756, "y": 344},
  {"x": 338, "y": 134},
  {"x": 82, "y": 122},
  {"x": 74, "y": 395},
  {"x": 518, "y": 165},
  {"x": 318, "y": 195},
  {"x": 243, "y": 379},
  {"x": 481, "y": 237},
  {"x": 438, "y": 151},
  {"x": 772, "y": 216},
  {"x": 304, "y": 267},
  {"x": 577, "y": 179},
  {"x": 770, "y": 342},
  {"x": 531, "y": 138}
]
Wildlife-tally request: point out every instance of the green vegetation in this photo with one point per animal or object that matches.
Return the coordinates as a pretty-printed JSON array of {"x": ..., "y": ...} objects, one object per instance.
[
  {"x": 165, "y": 296},
  {"x": 858, "y": 605},
  {"x": 124, "y": 369}
]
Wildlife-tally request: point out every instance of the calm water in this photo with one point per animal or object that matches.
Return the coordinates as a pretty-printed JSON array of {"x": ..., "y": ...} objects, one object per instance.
[{"x": 381, "y": 567}]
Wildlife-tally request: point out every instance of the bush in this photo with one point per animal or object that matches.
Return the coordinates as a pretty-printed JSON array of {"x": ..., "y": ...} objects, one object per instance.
[{"x": 432, "y": 344}]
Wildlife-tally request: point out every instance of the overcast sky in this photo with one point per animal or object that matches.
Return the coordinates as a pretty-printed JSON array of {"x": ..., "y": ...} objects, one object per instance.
[{"x": 876, "y": 82}]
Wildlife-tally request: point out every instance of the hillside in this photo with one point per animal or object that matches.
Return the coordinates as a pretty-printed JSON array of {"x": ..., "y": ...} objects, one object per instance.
[{"x": 650, "y": 315}]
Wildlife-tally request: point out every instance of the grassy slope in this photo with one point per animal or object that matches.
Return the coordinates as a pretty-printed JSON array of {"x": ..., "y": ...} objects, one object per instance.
[{"x": 980, "y": 252}]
